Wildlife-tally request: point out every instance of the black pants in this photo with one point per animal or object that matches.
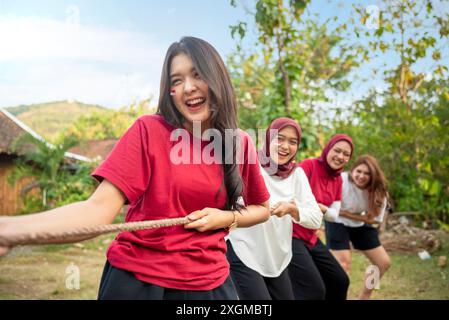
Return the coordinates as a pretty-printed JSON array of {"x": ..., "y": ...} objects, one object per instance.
[
  {"x": 118, "y": 284},
  {"x": 253, "y": 286},
  {"x": 316, "y": 274}
]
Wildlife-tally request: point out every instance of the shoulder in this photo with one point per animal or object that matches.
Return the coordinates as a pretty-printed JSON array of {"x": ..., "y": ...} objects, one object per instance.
[
  {"x": 300, "y": 176},
  {"x": 308, "y": 166},
  {"x": 246, "y": 141},
  {"x": 344, "y": 178},
  {"x": 308, "y": 163},
  {"x": 153, "y": 125},
  {"x": 244, "y": 136},
  {"x": 153, "y": 120},
  {"x": 299, "y": 173},
  {"x": 348, "y": 183}
]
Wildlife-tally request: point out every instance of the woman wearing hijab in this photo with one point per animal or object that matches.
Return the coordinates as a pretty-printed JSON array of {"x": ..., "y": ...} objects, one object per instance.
[
  {"x": 314, "y": 272},
  {"x": 259, "y": 255}
]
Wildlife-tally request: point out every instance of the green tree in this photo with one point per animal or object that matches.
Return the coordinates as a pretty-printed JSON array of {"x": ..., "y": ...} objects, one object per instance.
[
  {"x": 58, "y": 181},
  {"x": 405, "y": 125},
  {"x": 415, "y": 33},
  {"x": 107, "y": 125},
  {"x": 296, "y": 61}
]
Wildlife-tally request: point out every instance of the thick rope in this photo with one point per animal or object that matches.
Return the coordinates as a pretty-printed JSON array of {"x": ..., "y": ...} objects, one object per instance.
[{"x": 87, "y": 232}]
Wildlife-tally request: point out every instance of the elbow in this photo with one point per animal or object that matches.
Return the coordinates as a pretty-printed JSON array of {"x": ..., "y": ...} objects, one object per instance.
[
  {"x": 312, "y": 221},
  {"x": 265, "y": 211},
  {"x": 329, "y": 217},
  {"x": 319, "y": 216},
  {"x": 102, "y": 213},
  {"x": 317, "y": 222},
  {"x": 266, "y": 214}
]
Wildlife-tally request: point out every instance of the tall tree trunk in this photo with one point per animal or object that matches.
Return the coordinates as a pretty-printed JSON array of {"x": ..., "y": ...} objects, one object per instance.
[
  {"x": 403, "y": 90},
  {"x": 285, "y": 78}
]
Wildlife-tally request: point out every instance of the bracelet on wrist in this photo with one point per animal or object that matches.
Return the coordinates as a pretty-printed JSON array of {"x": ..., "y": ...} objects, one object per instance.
[{"x": 234, "y": 223}]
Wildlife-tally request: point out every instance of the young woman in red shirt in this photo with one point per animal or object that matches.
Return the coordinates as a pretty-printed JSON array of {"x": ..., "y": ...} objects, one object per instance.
[
  {"x": 314, "y": 272},
  {"x": 178, "y": 262}
]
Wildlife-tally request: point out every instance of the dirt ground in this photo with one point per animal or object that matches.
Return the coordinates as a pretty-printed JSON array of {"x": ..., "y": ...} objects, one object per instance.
[{"x": 42, "y": 272}]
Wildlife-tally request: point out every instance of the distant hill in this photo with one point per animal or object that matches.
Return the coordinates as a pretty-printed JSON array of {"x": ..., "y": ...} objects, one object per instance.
[{"x": 49, "y": 119}]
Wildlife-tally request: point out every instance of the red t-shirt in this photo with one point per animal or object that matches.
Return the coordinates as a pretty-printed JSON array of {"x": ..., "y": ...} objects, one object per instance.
[
  {"x": 325, "y": 188},
  {"x": 172, "y": 257}
]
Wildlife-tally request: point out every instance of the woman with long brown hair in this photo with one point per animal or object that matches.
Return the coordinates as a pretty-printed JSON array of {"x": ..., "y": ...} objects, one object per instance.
[
  {"x": 364, "y": 200},
  {"x": 183, "y": 261}
]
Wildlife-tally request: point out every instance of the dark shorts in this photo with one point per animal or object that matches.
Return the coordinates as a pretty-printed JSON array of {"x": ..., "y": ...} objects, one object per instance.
[
  {"x": 118, "y": 284},
  {"x": 338, "y": 237}
]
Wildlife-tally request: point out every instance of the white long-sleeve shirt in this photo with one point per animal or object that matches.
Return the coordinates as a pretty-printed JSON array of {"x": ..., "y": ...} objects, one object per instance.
[
  {"x": 267, "y": 247},
  {"x": 333, "y": 211},
  {"x": 355, "y": 200}
]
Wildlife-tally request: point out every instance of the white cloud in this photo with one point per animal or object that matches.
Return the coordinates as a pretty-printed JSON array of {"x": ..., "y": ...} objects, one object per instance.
[
  {"x": 60, "y": 81},
  {"x": 68, "y": 60}
]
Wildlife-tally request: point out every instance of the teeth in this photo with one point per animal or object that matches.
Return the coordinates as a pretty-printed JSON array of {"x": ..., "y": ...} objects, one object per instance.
[{"x": 194, "y": 101}]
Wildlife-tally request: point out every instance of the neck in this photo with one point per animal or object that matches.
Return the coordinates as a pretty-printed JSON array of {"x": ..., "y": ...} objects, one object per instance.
[{"x": 197, "y": 128}]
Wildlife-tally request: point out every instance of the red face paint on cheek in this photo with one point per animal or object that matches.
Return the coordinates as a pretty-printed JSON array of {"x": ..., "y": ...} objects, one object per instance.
[{"x": 172, "y": 92}]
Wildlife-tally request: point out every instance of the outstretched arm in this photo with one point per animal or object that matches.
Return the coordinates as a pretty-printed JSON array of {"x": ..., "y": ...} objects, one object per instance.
[{"x": 101, "y": 208}]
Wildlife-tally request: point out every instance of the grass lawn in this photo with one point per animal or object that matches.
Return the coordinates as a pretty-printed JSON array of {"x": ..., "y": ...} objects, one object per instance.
[
  {"x": 408, "y": 278},
  {"x": 40, "y": 273}
]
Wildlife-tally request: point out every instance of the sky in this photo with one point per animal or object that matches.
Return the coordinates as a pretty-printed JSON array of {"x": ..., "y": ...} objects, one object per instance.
[
  {"x": 110, "y": 52},
  {"x": 97, "y": 51}
]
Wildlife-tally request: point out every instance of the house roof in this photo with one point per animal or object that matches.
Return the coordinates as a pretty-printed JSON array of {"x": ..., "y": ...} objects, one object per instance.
[
  {"x": 11, "y": 128},
  {"x": 95, "y": 148}
]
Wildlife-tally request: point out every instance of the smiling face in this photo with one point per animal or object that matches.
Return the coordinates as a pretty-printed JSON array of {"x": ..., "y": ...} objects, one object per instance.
[
  {"x": 361, "y": 176},
  {"x": 284, "y": 146},
  {"x": 189, "y": 92},
  {"x": 339, "y": 155}
]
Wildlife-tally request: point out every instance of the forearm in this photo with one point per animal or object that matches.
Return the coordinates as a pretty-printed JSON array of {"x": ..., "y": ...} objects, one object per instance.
[
  {"x": 72, "y": 216},
  {"x": 332, "y": 212},
  {"x": 309, "y": 217},
  {"x": 252, "y": 215},
  {"x": 294, "y": 212},
  {"x": 353, "y": 216}
]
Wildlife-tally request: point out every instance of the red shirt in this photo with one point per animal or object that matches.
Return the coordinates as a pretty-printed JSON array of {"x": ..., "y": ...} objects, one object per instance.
[
  {"x": 172, "y": 257},
  {"x": 325, "y": 188}
]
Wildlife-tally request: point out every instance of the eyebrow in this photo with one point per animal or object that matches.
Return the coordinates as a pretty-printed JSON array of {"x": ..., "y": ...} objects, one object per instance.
[
  {"x": 178, "y": 74},
  {"x": 282, "y": 136}
]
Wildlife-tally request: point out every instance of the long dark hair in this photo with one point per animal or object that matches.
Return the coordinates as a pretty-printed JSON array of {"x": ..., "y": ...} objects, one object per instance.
[
  {"x": 223, "y": 104},
  {"x": 378, "y": 184}
]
